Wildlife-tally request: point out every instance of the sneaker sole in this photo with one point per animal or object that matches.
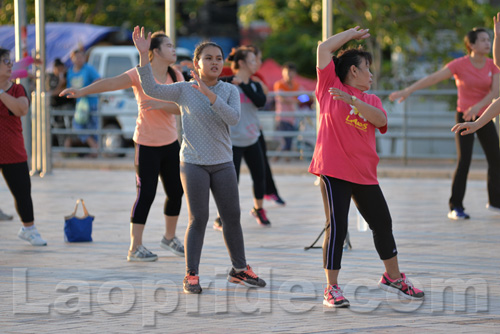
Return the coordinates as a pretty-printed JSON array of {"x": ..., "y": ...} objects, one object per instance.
[
  {"x": 397, "y": 292},
  {"x": 162, "y": 245},
  {"x": 343, "y": 305},
  {"x": 192, "y": 292},
  {"x": 145, "y": 259},
  {"x": 457, "y": 218},
  {"x": 32, "y": 244},
  {"x": 238, "y": 281}
]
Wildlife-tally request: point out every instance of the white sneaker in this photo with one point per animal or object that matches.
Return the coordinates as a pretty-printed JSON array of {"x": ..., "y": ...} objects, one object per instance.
[
  {"x": 174, "y": 245},
  {"x": 32, "y": 236},
  {"x": 142, "y": 254},
  {"x": 492, "y": 208}
]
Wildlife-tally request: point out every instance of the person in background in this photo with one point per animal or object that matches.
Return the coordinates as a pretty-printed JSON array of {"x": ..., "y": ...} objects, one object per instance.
[
  {"x": 14, "y": 104},
  {"x": 271, "y": 191},
  {"x": 56, "y": 83},
  {"x": 477, "y": 79},
  {"x": 208, "y": 108},
  {"x": 156, "y": 147},
  {"x": 80, "y": 75},
  {"x": 245, "y": 134},
  {"x": 345, "y": 157},
  {"x": 286, "y": 104}
]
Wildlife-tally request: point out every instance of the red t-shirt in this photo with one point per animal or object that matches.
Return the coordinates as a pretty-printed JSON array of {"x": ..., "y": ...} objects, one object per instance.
[
  {"x": 473, "y": 83},
  {"x": 11, "y": 131},
  {"x": 345, "y": 148}
]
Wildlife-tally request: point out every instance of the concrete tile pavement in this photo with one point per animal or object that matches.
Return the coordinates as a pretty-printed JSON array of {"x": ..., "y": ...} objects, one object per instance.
[{"x": 90, "y": 286}]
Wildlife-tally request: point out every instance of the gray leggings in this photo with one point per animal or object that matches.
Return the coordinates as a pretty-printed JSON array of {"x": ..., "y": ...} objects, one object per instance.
[{"x": 197, "y": 180}]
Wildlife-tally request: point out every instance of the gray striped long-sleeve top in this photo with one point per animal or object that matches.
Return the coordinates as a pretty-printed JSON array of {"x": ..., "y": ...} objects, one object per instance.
[{"x": 205, "y": 127}]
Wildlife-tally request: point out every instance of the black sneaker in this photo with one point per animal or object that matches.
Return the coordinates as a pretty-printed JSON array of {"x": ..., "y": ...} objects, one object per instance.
[
  {"x": 191, "y": 284},
  {"x": 246, "y": 278},
  {"x": 260, "y": 216}
]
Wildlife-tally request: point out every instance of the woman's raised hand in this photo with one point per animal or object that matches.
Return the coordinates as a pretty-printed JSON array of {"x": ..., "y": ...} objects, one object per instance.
[
  {"x": 70, "y": 93},
  {"x": 359, "y": 33},
  {"x": 141, "y": 41},
  {"x": 399, "y": 95}
]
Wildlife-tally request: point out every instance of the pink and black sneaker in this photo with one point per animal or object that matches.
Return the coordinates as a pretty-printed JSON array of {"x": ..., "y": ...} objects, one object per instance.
[
  {"x": 401, "y": 286},
  {"x": 334, "y": 297},
  {"x": 260, "y": 216}
]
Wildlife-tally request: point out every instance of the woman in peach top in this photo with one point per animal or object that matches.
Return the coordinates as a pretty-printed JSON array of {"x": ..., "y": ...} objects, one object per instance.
[{"x": 156, "y": 147}]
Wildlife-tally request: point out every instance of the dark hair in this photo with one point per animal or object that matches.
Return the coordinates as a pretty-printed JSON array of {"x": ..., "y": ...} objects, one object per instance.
[
  {"x": 156, "y": 40},
  {"x": 471, "y": 37},
  {"x": 255, "y": 49},
  {"x": 4, "y": 52},
  {"x": 348, "y": 57},
  {"x": 290, "y": 66},
  {"x": 238, "y": 54},
  {"x": 58, "y": 62},
  {"x": 200, "y": 47}
]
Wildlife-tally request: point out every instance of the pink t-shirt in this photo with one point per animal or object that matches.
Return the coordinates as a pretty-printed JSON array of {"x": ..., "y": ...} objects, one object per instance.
[
  {"x": 153, "y": 127},
  {"x": 345, "y": 148},
  {"x": 473, "y": 84}
]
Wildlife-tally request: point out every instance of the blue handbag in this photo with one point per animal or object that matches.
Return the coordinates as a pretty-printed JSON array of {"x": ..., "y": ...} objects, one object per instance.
[{"x": 78, "y": 229}]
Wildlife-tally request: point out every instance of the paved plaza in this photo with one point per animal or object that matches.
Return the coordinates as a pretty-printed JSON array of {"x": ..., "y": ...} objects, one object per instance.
[{"x": 90, "y": 287}]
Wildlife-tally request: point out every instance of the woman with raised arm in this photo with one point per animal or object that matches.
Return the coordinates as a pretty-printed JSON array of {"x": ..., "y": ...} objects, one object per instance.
[
  {"x": 208, "y": 108},
  {"x": 156, "y": 147},
  {"x": 477, "y": 80},
  {"x": 345, "y": 159}
]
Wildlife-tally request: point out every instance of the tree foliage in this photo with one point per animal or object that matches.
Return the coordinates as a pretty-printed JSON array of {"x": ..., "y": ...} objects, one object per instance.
[
  {"x": 417, "y": 28},
  {"x": 120, "y": 13}
]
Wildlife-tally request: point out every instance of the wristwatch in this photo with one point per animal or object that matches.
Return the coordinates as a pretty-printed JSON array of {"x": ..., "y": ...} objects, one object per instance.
[
  {"x": 353, "y": 98},
  {"x": 1, "y": 91}
]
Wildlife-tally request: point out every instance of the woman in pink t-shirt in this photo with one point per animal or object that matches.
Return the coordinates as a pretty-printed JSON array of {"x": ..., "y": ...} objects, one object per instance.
[
  {"x": 156, "y": 147},
  {"x": 477, "y": 80},
  {"x": 345, "y": 158}
]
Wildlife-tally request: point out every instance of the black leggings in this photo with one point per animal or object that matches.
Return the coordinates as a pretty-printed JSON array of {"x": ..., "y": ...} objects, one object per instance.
[
  {"x": 371, "y": 204},
  {"x": 270, "y": 186},
  {"x": 255, "y": 161},
  {"x": 149, "y": 163},
  {"x": 17, "y": 177},
  {"x": 488, "y": 137}
]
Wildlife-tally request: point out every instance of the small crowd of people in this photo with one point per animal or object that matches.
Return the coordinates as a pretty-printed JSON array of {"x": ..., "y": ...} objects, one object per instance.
[{"x": 220, "y": 128}]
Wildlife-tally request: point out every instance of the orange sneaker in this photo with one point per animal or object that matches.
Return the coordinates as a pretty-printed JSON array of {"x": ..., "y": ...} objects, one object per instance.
[{"x": 246, "y": 277}]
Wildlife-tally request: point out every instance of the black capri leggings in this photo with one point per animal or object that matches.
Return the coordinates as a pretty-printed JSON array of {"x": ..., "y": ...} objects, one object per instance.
[
  {"x": 371, "y": 204},
  {"x": 149, "y": 163},
  {"x": 254, "y": 157},
  {"x": 17, "y": 177}
]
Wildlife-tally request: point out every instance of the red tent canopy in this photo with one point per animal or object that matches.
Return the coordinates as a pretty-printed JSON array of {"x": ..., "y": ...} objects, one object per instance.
[{"x": 270, "y": 71}]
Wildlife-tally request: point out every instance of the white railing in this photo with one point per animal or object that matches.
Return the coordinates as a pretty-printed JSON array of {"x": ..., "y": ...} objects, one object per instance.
[{"x": 417, "y": 128}]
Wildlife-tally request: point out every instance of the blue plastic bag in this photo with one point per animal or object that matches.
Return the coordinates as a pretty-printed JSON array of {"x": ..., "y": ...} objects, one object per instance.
[{"x": 78, "y": 229}]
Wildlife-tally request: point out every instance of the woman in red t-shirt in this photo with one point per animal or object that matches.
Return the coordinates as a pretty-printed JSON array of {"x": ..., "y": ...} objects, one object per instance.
[
  {"x": 477, "y": 80},
  {"x": 345, "y": 158},
  {"x": 14, "y": 104}
]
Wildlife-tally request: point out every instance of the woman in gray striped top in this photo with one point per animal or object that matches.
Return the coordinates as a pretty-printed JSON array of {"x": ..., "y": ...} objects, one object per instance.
[{"x": 208, "y": 108}]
